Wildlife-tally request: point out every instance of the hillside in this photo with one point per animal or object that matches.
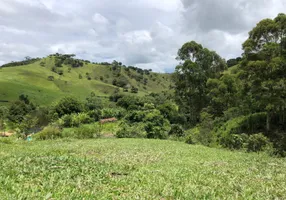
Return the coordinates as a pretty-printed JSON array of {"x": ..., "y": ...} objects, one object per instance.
[{"x": 44, "y": 83}]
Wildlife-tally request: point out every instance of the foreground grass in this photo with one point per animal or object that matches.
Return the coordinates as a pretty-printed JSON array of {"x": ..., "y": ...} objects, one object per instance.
[{"x": 135, "y": 169}]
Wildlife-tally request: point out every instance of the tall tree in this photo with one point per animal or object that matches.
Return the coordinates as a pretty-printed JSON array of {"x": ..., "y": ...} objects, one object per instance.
[
  {"x": 264, "y": 68},
  {"x": 198, "y": 65}
]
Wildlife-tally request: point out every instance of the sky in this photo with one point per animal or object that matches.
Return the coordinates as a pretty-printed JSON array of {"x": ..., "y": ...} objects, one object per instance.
[{"x": 142, "y": 33}]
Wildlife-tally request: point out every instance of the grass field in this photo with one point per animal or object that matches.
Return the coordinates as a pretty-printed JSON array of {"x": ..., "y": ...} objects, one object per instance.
[{"x": 135, "y": 169}]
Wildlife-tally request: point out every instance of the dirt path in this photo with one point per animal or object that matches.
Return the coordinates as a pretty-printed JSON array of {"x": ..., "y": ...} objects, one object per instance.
[{"x": 6, "y": 134}]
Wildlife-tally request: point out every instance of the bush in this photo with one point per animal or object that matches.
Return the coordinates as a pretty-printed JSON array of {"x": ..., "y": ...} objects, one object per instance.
[
  {"x": 87, "y": 132},
  {"x": 257, "y": 142},
  {"x": 112, "y": 112},
  {"x": 49, "y": 133},
  {"x": 128, "y": 101},
  {"x": 120, "y": 82},
  {"x": 134, "y": 90},
  {"x": 94, "y": 115},
  {"x": 65, "y": 121},
  {"x": 68, "y": 105},
  {"x": 235, "y": 141},
  {"x": 176, "y": 130},
  {"x": 51, "y": 78},
  {"x": 189, "y": 139},
  {"x": 135, "y": 131},
  {"x": 75, "y": 120},
  {"x": 156, "y": 125},
  {"x": 243, "y": 124},
  {"x": 135, "y": 116},
  {"x": 193, "y": 136},
  {"x": 155, "y": 132}
]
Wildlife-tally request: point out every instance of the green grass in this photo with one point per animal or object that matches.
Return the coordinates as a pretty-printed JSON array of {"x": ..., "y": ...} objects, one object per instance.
[
  {"x": 135, "y": 169},
  {"x": 33, "y": 80}
]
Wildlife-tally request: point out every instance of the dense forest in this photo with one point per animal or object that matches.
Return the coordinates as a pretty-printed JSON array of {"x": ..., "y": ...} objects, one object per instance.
[{"x": 236, "y": 104}]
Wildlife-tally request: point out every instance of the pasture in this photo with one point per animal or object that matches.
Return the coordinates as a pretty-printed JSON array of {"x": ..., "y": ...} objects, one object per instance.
[{"x": 113, "y": 168}]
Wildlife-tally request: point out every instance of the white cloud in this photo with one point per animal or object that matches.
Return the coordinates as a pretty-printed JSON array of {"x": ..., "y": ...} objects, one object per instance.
[
  {"x": 146, "y": 33},
  {"x": 137, "y": 37},
  {"x": 99, "y": 19},
  {"x": 5, "y": 7}
]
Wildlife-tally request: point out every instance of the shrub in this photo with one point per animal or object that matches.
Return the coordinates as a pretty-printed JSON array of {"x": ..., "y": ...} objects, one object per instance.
[
  {"x": 155, "y": 132},
  {"x": 66, "y": 121},
  {"x": 82, "y": 118},
  {"x": 176, "y": 130},
  {"x": 135, "y": 131},
  {"x": 135, "y": 116},
  {"x": 257, "y": 142},
  {"x": 129, "y": 102},
  {"x": 189, "y": 139},
  {"x": 243, "y": 124},
  {"x": 87, "y": 132},
  {"x": 60, "y": 72},
  {"x": 49, "y": 132},
  {"x": 193, "y": 136},
  {"x": 120, "y": 82},
  {"x": 51, "y": 78},
  {"x": 93, "y": 102},
  {"x": 94, "y": 115},
  {"x": 75, "y": 120},
  {"x": 115, "y": 97},
  {"x": 235, "y": 141},
  {"x": 68, "y": 105},
  {"x": 134, "y": 90},
  {"x": 156, "y": 125},
  {"x": 113, "y": 112}
]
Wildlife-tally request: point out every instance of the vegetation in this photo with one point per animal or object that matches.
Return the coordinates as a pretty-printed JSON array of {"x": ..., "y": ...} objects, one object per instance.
[
  {"x": 212, "y": 102},
  {"x": 52, "y": 78},
  {"x": 248, "y": 97},
  {"x": 237, "y": 104},
  {"x": 120, "y": 168}
]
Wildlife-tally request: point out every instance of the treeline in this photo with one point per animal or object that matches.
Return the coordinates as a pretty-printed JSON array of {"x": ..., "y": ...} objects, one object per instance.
[
  {"x": 27, "y": 61},
  {"x": 244, "y": 104}
]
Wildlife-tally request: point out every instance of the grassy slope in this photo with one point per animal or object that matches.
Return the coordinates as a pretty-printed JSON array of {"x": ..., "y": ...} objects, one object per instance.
[
  {"x": 33, "y": 80},
  {"x": 135, "y": 169}
]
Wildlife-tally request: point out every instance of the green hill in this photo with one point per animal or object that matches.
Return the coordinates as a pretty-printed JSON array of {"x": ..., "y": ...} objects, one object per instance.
[{"x": 49, "y": 79}]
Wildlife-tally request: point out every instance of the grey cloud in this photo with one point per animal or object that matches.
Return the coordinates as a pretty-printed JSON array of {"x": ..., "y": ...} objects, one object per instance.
[
  {"x": 145, "y": 33},
  {"x": 223, "y": 25}
]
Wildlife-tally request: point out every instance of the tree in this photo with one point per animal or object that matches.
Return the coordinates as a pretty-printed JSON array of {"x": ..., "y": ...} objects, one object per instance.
[
  {"x": 170, "y": 111},
  {"x": 190, "y": 77},
  {"x": 264, "y": 69},
  {"x": 68, "y": 105},
  {"x": 223, "y": 93},
  {"x": 19, "y": 109},
  {"x": 134, "y": 89},
  {"x": 29, "y": 122},
  {"x": 93, "y": 102},
  {"x": 233, "y": 61}
]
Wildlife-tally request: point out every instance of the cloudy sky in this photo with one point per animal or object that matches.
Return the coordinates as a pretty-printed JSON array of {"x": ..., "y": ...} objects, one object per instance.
[{"x": 144, "y": 33}]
